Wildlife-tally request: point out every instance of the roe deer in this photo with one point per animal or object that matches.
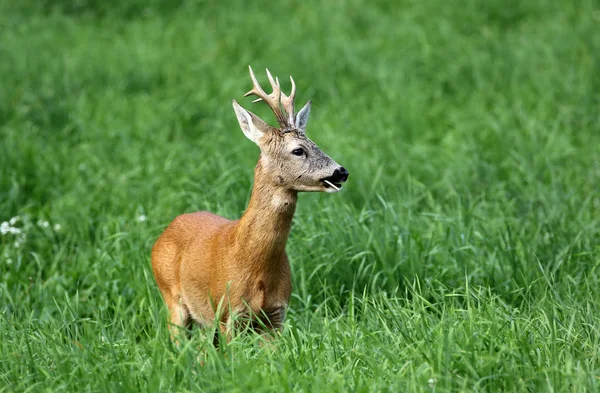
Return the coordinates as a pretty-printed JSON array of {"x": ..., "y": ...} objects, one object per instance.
[{"x": 212, "y": 270}]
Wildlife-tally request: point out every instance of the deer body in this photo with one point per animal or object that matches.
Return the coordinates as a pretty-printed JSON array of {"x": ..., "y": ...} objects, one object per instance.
[{"x": 210, "y": 269}]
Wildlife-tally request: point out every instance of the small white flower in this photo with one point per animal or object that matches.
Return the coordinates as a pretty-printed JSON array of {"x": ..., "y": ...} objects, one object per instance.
[
  {"x": 4, "y": 228},
  {"x": 43, "y": 223},
  {"x": 14, "y": 220},
  {"x": 141, "y": 218},
  {"x": 14, "y": 230},
  {"x": 20, "y": 240},
  {"x": 57, "y": 227},
  {"x": 431, "y": 382}
]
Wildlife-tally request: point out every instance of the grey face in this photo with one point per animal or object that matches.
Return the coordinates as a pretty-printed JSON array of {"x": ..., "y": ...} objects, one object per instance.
[
  {"x": 298, "y": 164},
  {"x": 290, "y": 158}
]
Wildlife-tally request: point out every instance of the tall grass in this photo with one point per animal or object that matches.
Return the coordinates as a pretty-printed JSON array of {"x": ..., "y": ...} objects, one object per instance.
[{"x": 462, "y": 255}]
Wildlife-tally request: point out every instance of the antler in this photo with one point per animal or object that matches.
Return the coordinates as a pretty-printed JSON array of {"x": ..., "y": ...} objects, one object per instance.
[
  {"x": 288, "y": 103},
  {"x": 276, "y": 100}
]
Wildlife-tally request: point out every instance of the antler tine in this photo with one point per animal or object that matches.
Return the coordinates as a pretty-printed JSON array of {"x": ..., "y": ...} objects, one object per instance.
[
  {"x": 256, "y": 89},
  {"x": 275, "y": 96},
  {"x": 273, "y": 99},
  {"x": 288, "y": 102},
  {"x": 275, "y": 85}
]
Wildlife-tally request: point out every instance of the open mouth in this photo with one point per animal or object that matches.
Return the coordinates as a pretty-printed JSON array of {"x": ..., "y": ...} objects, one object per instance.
[{"x": 330, "y": 184}]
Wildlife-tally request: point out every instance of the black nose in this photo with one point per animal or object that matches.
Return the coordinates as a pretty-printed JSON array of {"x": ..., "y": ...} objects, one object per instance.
[{"x": 340, "y": 175}]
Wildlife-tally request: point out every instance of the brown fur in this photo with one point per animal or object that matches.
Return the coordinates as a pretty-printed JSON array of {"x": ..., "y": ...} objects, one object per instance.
[
  {"x": 211, "y": 269},
  {"x": 203, "y": 260}
]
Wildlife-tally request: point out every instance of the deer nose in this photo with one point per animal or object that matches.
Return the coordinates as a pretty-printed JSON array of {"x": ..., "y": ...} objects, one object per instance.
[{"x": 340, "y": 175}]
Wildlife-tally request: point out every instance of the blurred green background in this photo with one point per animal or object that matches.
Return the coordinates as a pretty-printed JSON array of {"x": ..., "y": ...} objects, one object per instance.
[{"x": 462, "y": 255}]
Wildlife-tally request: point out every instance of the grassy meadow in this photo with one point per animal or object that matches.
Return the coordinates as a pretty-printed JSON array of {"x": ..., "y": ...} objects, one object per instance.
[{"x": 463, "y": 255}]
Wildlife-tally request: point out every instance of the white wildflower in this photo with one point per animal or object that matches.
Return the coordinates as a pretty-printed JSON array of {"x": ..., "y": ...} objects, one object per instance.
[
  {"x": 431, "y": 382},
  {"x": 141, "y": 218},
  {"x": 14, "y": 220},
  {"x": 43, "y": 223},
  {"x": 20, "y": 240},
  {"x": 14, "y": 230},
  {"x": 4, "y": 228},
  {"x": 57, "y": 227}
]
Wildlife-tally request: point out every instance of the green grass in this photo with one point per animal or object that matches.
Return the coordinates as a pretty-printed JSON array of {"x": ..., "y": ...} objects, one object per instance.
[{"x": 463, "y": 254}]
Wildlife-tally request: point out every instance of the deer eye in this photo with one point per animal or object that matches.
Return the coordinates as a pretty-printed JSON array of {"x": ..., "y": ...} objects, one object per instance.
[{"x": 298, "y": 152}]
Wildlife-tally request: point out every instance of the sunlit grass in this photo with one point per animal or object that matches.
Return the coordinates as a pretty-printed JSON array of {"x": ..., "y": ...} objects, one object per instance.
[{"x": 462, "y": 255}]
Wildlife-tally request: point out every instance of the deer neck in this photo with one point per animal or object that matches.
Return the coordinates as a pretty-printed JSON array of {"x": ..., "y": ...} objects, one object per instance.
[{"x": 263, "y": 230}]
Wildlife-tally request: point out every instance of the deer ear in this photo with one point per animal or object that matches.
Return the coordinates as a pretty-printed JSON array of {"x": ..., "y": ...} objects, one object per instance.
[
  {"x": 302, "y": 117},
  {"x": 247, "y": 124}
]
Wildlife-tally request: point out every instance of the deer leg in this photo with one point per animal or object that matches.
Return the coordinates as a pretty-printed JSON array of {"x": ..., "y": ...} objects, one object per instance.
[
  {"x": 179, "y": 316},
  {"x": 229, "y": 326}
]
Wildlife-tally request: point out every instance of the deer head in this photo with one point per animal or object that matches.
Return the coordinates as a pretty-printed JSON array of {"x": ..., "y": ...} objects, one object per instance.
[{"x": 288, "y": 156}]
